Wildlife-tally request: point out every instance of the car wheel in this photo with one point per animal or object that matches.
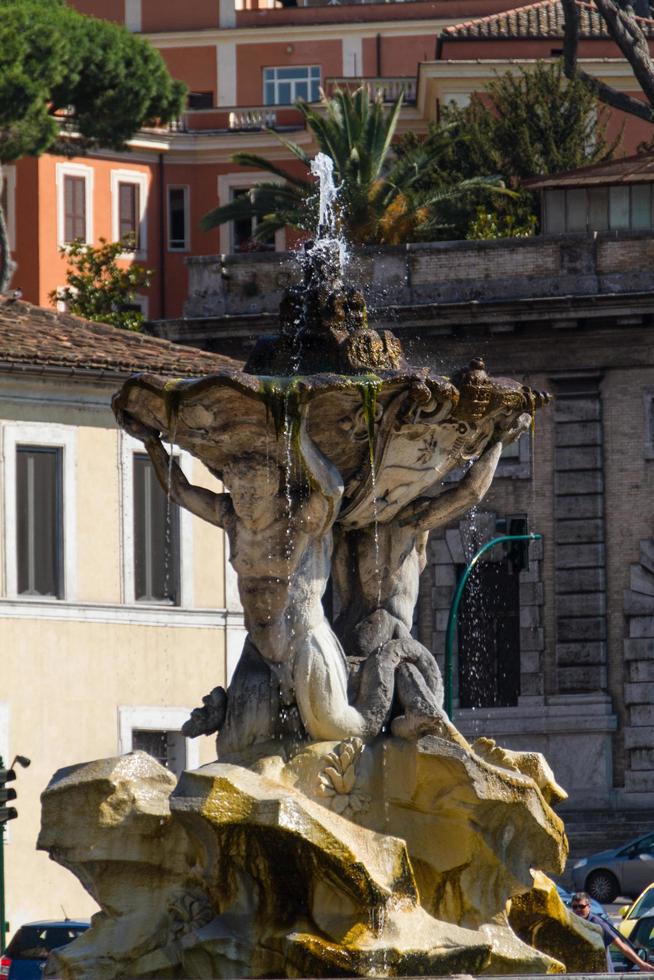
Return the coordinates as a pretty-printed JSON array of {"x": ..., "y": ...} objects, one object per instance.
[{"x": 602, "y": 886}]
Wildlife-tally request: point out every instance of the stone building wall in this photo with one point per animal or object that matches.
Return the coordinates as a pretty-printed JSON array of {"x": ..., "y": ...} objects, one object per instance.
[
  {"x": 558, "y": 265},
  {"x": 574, "y": 315}
]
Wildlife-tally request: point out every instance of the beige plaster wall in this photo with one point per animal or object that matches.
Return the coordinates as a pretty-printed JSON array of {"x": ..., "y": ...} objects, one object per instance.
[
  {"x": 98, "y": 522},
  {"x": 64, "y": 682},
  {"x": 98, "y": 478},
  {"x": 208, "y": 550},
  {"x": 67, "y": 669}
]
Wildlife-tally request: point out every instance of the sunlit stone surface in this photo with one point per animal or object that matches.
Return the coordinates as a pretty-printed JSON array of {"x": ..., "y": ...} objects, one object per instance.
[{"x": 347, "y": 827}]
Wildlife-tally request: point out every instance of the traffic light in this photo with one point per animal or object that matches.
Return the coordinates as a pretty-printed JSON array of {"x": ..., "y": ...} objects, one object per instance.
[{"x": 7, "y": 794}]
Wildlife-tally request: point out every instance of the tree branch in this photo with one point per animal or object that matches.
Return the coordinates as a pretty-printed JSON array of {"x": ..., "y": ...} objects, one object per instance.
[
  {"x": 628, "y": 35},
  {"x": 625, "y": 31},
  {"x": 619, "y": 100},
  {"x": 570, "y": 36},
  {"x": 7, "y": 265}
]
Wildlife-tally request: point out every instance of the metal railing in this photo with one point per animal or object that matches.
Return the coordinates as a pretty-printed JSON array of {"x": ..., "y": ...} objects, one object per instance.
[
  {"x": 390, "y": 87},
  {"x": 250, "y": 119}
]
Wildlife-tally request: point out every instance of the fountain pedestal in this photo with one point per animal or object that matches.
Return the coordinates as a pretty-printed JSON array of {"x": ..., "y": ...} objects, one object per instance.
[{"x": 321, "y": 859}]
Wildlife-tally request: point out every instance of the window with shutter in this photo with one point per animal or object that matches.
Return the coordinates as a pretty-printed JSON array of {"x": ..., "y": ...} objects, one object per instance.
[
  {"x": 178, "y": 219},
  {"x": 156, "y": 537},
  {"x": 74, "y": 208},
  {"x": 128, "y": 212},
  {"x": 39, "y": 513}
]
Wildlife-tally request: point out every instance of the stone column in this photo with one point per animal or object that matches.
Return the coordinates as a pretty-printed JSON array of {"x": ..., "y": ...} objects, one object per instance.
[
  {"x": 639, "y": 680},
  {"x": 579, "y": 559}
]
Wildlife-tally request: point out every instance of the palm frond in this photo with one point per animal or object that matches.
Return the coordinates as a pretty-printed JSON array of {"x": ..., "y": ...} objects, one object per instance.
[{"x": 263, "y": 163}]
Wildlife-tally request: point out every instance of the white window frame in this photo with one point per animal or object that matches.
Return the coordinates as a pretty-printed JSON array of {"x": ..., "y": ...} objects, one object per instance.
[
  {"x": 460, "y": 99},
  {"x": 74, "y": 170},
  {"x": 51, "y": 435},
  {"x": 155, "y": 719},
  {"x": 187, "y": 217},
  {"x": 143, "y": 303},
  {"x": 9, "y": 179},
  {"x": 129, "y": 446},
  {"x": 231, "y": 182},
  {"x": 61, "y": 304},
  {"x": 141, "y": 180},
  {"x": 276, "y": 82},
  {"x": 133, "y": 15}
]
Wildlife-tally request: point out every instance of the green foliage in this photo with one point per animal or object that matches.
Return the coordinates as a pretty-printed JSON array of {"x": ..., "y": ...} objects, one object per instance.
[
  {"x": 70, "y": 82},
  {"x": 493, "y": 225},
  {"x": 382, "y": 197},
  {"x": 53, "y": 58},
  {"x": 97, "y": 288},
  {"x": 539, "y": 123},
  {"x": 530, "y": 123}
]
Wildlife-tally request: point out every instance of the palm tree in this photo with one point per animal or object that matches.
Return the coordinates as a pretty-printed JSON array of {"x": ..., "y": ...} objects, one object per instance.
[{"x": 379, "y": 202}]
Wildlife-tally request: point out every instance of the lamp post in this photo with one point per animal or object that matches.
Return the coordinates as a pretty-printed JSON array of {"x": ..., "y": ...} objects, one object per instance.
[{"x": 456, "y": 601}]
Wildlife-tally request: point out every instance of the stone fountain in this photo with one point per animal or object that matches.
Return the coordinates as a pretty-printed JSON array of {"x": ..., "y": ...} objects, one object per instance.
[{"x": 347, "y": 828}]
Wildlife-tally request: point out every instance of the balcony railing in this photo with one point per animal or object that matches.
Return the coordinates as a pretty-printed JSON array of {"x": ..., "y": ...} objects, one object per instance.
[
  {"x": 274, "y": 5},
  {"x": 249, "y": 119},
  {"x": 237, "y": 119},
  {"x": 390, "y": 87}
]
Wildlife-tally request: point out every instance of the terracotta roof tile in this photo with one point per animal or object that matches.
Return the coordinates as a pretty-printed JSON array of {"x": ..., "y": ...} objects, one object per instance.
[
  {"x": 34, "y": 337},
  {"x": 537, "y": 20}
]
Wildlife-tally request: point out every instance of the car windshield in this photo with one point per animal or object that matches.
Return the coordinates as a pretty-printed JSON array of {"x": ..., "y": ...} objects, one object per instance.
[
  {"x": 643, "y": 934},
  {"x": 644, "y": 904},
  {"x": 35, "y": 942}
]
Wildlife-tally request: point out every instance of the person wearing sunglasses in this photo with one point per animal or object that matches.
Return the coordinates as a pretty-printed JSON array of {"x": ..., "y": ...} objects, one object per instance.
[{"x": 580, "y": 905}]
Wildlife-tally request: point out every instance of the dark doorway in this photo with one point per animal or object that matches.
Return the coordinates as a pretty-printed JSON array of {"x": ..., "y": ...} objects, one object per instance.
[{"x": 489, "y": 637}]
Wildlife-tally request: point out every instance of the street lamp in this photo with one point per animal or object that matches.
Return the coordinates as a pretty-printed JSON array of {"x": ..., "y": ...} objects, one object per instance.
[{"x": 454, "y": 608}]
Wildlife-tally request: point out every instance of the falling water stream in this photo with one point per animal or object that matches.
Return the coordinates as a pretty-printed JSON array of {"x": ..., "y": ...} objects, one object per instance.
[{"x": 330, "y": 244}]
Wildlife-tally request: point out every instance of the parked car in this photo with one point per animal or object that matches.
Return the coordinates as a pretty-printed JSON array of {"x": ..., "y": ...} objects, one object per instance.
[
  {"x": 630, "y": 914},
  {"x": 26, "y": 954},
  {"x": 642, "y": 939},
  {"x": 595, "y": 907},
  {"x": 624, "y": 870}
]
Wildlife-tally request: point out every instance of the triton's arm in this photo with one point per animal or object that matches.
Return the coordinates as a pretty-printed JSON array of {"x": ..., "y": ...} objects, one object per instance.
[
  {"x": 210, "y": 506},
  {"x": 327, "y": 482},
  {"x": 427, "y": 513}
]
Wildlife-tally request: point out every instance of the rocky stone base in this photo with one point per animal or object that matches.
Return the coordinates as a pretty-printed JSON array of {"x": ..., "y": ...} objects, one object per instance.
[{"x": 325, "y": 860}]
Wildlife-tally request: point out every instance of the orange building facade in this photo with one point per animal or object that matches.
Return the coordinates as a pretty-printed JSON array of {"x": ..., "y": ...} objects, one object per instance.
[{"x": 244, "y": 69}]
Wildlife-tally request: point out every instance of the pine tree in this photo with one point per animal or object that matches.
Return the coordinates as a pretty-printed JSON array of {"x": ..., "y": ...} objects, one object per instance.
[
  {"x": 531, "y": 123},
  {"x": 69, "y": 82}
]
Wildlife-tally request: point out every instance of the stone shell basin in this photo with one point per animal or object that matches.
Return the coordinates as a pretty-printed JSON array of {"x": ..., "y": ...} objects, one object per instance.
[{"x": 413, "y": 425}]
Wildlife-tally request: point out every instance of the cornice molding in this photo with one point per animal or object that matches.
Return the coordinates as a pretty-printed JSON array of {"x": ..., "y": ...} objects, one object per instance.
[{"x": 309, "y": 32}]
